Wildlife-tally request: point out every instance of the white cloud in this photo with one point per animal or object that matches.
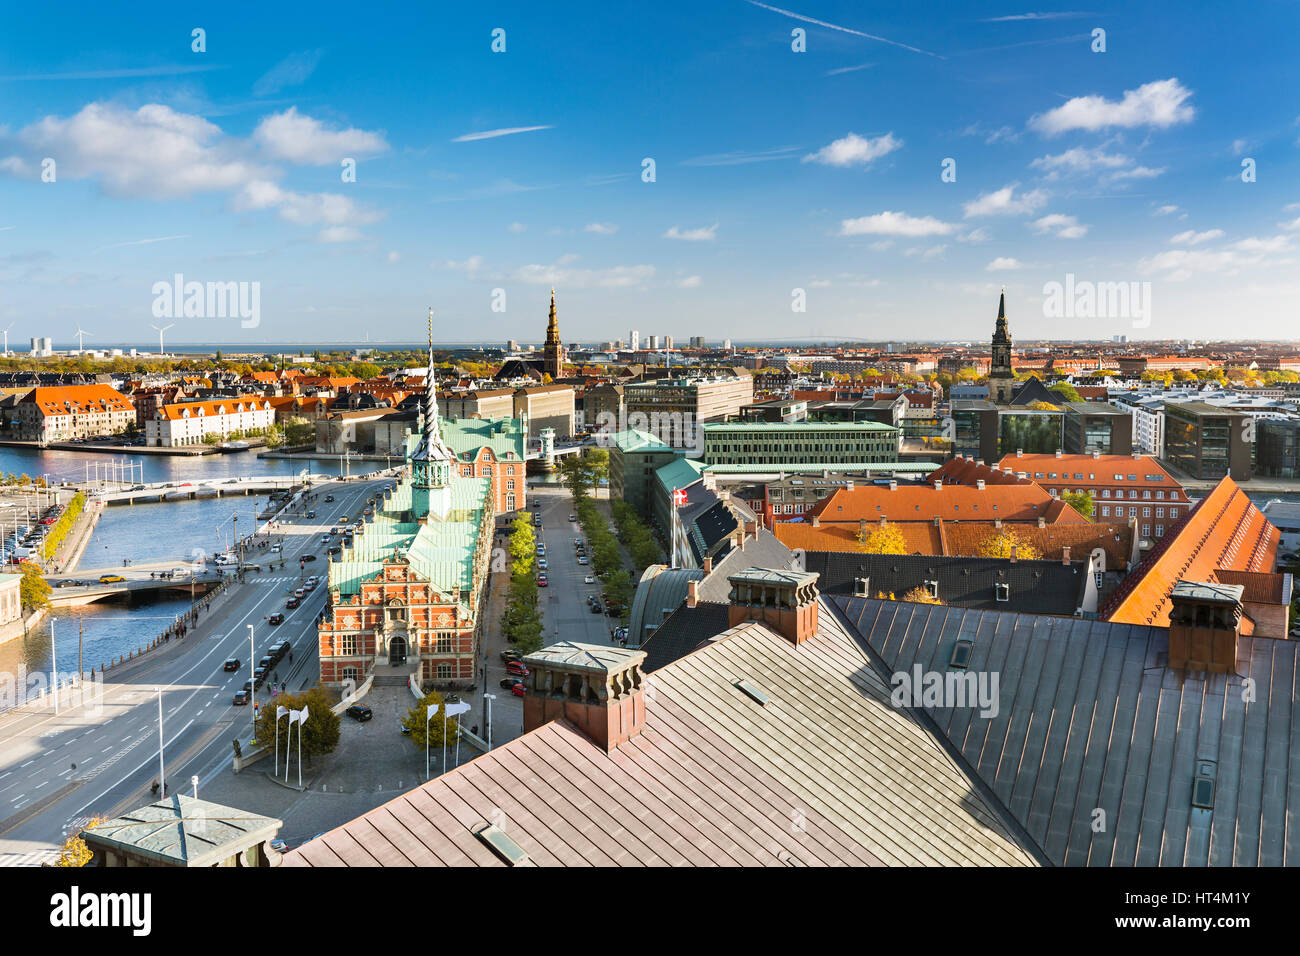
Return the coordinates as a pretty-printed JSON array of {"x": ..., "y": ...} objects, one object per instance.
[
  {"x": 882, "y": 244},
  {"x": 1179, "y": 265},
  {"x": 1291, "y": 226},
  {"x": 394, "y": 256},
  {"x": 603, "y": 228},
  {"x": 305, "y": 209},
  {"x": 1059, "y": 225},
  {"x": 702, "y": 234},
  {"x": 742, "y": 157},
  {"x": 991, "y": 136},
  {"x": 979, "y": 234},
  {"x": 339, "y": 234},
  {"x": 932, "y": 252},
  {"x": 299, "y": 138},
  {"x": 1080, "y": 159},
  {"x": 1161, "y": 104},
  {"x": 153, "y": 152},
  {"x": 468, "y": 266},
  {"x": 293, "y": 70},
  {"x": 1193, "y": 238},
  {"x": 1003, "y": 202},
  {"x": 1003, "y": 264},
  {"x": 494, "y": 133},
  {"x": 1165, "y": 211},
  {"x": 690, "y": 282},
  {"x": 854, "y": 150},
  {"x": 517, "y": 227},
  {"x": 890, "y": 223},
  {"x": 559, "y": 273}
]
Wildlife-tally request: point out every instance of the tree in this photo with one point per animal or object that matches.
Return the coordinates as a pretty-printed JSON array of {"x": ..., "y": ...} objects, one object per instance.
[
  {"x": 1067, "y": 392},
  {"x": 1043, "y": 407},
  {"x": 299, "y": 431},
  {"x": 1000, "y": 545},
  {"x": 1080, "y": 501},
  {"x": 320, "y": 735},
  {"x": 33, "y": 590},
  {"x": 920, "y": 595},
  {"x": 415, "y": 721},
  {"x": 74, "y": 852},
  {"x": 882, "y": 539},
  {"x": 523, "y": 546},
  {"x": 274, "y": 439}
]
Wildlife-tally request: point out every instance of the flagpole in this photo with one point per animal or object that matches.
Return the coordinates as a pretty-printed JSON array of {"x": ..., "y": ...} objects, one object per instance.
[{"x": 444, "y": 736}]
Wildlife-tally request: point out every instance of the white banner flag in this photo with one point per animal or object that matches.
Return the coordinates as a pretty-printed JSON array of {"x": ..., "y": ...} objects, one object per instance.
[
  {"x": 280, "y": 712},
  {"x": 455, "y": 710}
]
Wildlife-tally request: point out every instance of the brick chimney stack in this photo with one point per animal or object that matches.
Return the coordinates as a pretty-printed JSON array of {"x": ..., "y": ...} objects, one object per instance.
[
  {"x": 1065, "y": 555},
  {"x": 1204, "y": 626},
  {"x": 600, "y": 689},
  {"x": 786, "y": 601},
  {"x": 692, "y": 593},
  {"x": 708, "y": 566}
]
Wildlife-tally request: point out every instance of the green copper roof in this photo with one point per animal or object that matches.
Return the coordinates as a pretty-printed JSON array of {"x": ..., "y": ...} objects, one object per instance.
[
  {"x": 505, "y": 436},
  {"x": 776, "y": 428}
]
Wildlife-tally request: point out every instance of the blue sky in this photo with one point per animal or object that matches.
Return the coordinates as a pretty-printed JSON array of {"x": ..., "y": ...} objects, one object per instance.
[{"x": 775, "y": 170}]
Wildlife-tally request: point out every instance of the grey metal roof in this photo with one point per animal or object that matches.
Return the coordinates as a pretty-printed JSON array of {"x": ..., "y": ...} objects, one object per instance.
[
  {"x": 1090, "y": 718},
  {"x": 763, "y": 550},
  {"x": 683, "y": 631},
  {"x": 660, "y": 591},
  {"x": 182, "y": 831},
  {"x": 1209, "y": 591},
  {"x": 587, "y": 657},
  {"x": 825, "y": 773},
  {"x": 757, "y": 575}
]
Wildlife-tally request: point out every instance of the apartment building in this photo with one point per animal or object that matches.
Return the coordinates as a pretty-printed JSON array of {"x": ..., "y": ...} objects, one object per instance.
[
  {"x": 201, "y": 423},
  {"x": 1122, "y": 487},
  {"x": 70, "y": 411},
  {"x": 1206, "y": 441}
]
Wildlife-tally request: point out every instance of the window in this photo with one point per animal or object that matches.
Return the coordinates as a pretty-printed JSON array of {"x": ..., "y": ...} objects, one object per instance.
[
  {"x": 443, "y": 645},
  {"x": 1146, "y": 531},
  {"x": 1002, "y": 592},
  {"x": 932, "y": 589},
  {"x": 1160, "y": 529},
  {"x": 444, "y": 671},
  {"x": 961, "y": 653},
  {"x": 862, "y": 587},
  {"x": 350, "y": 673},
  {"x": 348, "y": 644},
  {"x": 1105, "y": 511},
  {"x": 1146, "y": 512}
]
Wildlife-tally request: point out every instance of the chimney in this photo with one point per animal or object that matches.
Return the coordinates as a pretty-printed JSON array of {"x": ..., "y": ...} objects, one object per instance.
[
  {"x": 600, "y": 689},
  {"x": 1065, "y": 556},
  {"x": 740, "y": 540},
  {"x": 1015, "y": 553},
  {"x": 708, "y": 564},
  {"x": 862, "y": 527},
  {"x": 1058, "y": 453},
  {"x": 785, "y": 601},
  {"x": 893, "y": 485},
  {"x": 1020, "y": 453},
  {"x": 979, "y": 484},
  {"x": 883, "y": 522},
  {"x": 1204, "y": 625},
  {"x": 816, "y": 521},
  {"x": 692, "y": 593},
  {"x": 997, "y": 523},
  {"x": 1096, "y": 455},
  {"x": 1042, "y": 522}
]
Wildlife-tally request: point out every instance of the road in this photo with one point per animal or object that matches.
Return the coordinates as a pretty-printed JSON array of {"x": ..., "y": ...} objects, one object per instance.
[
  {"x": 57, "y": 769},
  {"x": 566, "y": 615}
]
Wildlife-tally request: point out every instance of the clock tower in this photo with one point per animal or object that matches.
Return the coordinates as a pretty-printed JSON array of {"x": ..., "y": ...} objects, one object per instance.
[{"x": 1002, "y": 378}]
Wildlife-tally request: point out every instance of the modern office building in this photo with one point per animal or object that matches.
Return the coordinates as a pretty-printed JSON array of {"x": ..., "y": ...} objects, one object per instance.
[
  {"x": 674, "y": 409},
  {"x": 1208, "y": 442},
  {"x": 634, "y": 456},
  {"x": 1035, "y": 431},
  {"x": 1097, "y": 427},
  {"x": 1277, "y": 448},
  {"x": 975, "y": 427},
  {"x": 803, "y": 443}
]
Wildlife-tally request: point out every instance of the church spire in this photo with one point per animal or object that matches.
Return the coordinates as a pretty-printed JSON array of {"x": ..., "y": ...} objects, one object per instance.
[
  {"x": 431, "y": 431},
  {"x": 553, "y": 350}
]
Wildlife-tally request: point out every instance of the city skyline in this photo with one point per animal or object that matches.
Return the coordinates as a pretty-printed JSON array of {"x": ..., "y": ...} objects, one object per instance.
[{"x": 782, "y": 179}]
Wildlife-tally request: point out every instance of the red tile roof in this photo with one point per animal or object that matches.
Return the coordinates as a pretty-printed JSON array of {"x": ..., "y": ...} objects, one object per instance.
[
  {"x": 1018, "y": 502},
  {"x": 78, "y": 400},
  {"x": 1223, "y": 531}
]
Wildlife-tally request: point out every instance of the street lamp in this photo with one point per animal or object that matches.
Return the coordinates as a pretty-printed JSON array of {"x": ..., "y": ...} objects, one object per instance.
[
  {"x": 162, "y": 780},
  {"x": 54, "y": 665},
  {"x": 252, "y": 683},
  {"x": 487, "y": 716}
]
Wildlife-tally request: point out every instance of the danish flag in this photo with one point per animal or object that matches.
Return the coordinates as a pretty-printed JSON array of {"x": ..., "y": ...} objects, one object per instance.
[{"x": 679, "y": 497}]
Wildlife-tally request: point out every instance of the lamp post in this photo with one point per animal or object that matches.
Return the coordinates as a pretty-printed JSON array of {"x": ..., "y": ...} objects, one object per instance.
[
  {"x": 487, "y": 716},
  {"x": 54, "y": 665},
  {"x": 162, "y": 780}
]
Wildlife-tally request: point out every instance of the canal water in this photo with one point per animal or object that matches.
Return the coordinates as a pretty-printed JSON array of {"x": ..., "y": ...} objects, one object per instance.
[{"x": 172, "y": 530}]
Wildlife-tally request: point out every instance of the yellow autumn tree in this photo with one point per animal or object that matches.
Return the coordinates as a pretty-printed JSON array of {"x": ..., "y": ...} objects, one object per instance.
[
  {"x": 919, "y": 595},
  {"x": 74, "y": 851},
  {"x": 1000, "y": 545},
  {"x": 882, "y": 539}
]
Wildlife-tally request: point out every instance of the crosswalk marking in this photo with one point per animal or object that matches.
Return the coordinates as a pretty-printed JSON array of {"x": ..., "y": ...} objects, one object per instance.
[{"x": 32, "y": 858}]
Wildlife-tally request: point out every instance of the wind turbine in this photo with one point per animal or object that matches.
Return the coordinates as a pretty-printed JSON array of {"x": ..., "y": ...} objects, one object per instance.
[
  {"x": 6, "y": 335},
  {"x": 81, "y": 333},
  {"x": 160, "y": 336}
]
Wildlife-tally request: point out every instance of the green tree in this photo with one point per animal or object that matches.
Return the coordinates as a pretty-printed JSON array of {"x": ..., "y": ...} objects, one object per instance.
[
  {"x": 1067, "y": 392},
  {"x": 274, "y": 438},
  {"x": 1081, "y": 502},
  {"x": 33, "y": 590},
  {"x": 320, "y": 735},
  {"x": 415, "y": 722}
]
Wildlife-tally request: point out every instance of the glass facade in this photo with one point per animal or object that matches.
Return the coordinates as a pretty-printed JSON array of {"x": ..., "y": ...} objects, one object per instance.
[
  {"x": 1033, "y": 432},
  {"x": 1277, "y": 449}
]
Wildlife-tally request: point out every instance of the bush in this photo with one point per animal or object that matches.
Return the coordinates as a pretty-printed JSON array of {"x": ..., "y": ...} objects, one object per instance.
[{"x": 320, "y": 734}]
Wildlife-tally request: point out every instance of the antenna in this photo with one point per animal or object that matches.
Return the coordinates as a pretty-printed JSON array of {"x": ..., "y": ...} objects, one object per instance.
[{"x": 160, "y": 336}]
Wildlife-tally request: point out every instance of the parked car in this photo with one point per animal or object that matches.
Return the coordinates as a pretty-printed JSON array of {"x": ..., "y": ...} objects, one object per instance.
[
  {"x": 596, "y": 607},
  {"x": 541, "y": 581},
  {"x": 337, "y": 549},
  {"x": 110, "y": 578},
  {"x": 291, "y": 603},
  {"x": 241, "y": 698},
  {"x": 508, "y": 656},
  {"x": 359, "y": 712},
  {"x": 329, "y": 498},
  {"x": 517, "y": 668},
  {"x": 541, "y": 563},
  {"x": 277, "y": 618},
  {"x": 520, "y": 689},
  {"x": 265, "y": 663},
  {"x": 582, "y": 559},
  {"x": 508, "y": 683},
  {"x": 573, "y": 517},
  {"x": 231, "y": 664},
  {"x": 259, "y": 674},
  {"x": 589, "y": 579}
]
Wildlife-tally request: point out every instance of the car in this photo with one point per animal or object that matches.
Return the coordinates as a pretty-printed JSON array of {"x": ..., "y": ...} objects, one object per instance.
[
  {"x": 359, "y": 712},
  {"x": 240, "y": 698},
  {"x": 68, "y": 584},
  {"x": 541, "y": 581},
  {"x": 508, "y": 683},
  {"x": 343, "y": 520},
  {"x": 368, "y": 511},
  {"x": 337, "y": 549},
  {"x": 582, "y": 559},
  {"x": 259, "y": 674},
  {"x": 309, "y": 557},
  {"x": 110, "y": 578},
  {"x": 517, "y": 668},
  {"x": 573, "y": 517},
  {"x": 541, "y": 563},
  {"x": 537, "y": 503},
  {"x": 520, "y": 689},
  {"x": 309, "y": 585},
  {"x": 231, "y": 664},
  {"x": 325, "y": 539},
  {"x": 291, "y": 603},
  {"x": 329, "y": 498},
  {"x": 595, "y": 607},
  {"x": 508, "y": 656},
  {"x": 589, "y": 579},
  {"x": 265, "y": 663},
  {"x": 310, "y": 514},
  {"x": 298, "y": 593},
  {"x": 276, "y": 618},
  {"x": 248, "y": 686}
]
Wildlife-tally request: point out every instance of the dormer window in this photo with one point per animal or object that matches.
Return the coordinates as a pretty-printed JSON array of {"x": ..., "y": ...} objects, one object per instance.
[{"x": 1002, "y": 592}]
